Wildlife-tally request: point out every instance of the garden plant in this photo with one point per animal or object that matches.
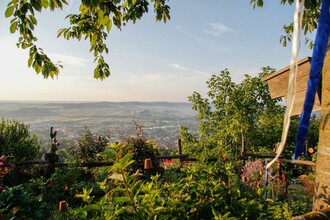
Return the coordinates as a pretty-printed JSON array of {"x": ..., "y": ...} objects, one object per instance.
[{"x": 229, "y": 186}]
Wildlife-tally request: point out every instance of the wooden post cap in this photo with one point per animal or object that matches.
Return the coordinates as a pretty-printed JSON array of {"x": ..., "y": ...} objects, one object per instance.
[
  {"x": 148, "y": 164},
  {"x": 63, "y": 206},
  {"x": 310, "y": 150},
  {"x": 3, "y": 158}
]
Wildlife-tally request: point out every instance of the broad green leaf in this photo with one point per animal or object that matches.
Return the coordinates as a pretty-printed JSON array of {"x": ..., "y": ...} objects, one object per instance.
[
  {"x": 13, "y": 27},
  {"x": 44, "y": 3},
  {"x": 30, "y": 61},
  {"x": 100, "y": 15},
  {"x": 96, "y": 53},
  {"x": 106, "y": 154},
  {"x": 126, "y": 160},
  {"x": 79, "y": 195},
  {"x": 126, "y": 147},
  {"x": 30, "y": 8},
  {"x": 36, "y": 67},
  {"x": 33, "y": 19},
  {"x": 109, "y": 25},
  {"x": 104, "y": 20},
  {"x": 96, "y": 73},
  {"x": 83, "y": 10},
  {"x": 24, "y": 45},
  {"x": 37, "y": 5},
  {"x": 116, "y": 166},
  {"x": 93, "y": 207},
  {"x": 122, "y": 199},
  {"x": 60, "y": 32},
  {"x": 125, "y": 4},
  {"x": 159, "y": 208},
  {"x": 118, "y": 189},
  {"x": 31, "y": 26},
  {"x": 132, "y": 177},
  {"x": 51, "y": 4},
  {"x": 9, "y": 12},
  {"x": 94, "y": 38},
  {"x": 114, "y": 146}
]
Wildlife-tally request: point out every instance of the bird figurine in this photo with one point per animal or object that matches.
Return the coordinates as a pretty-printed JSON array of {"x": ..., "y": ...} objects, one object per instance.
[{"x": 52, "y": 134}]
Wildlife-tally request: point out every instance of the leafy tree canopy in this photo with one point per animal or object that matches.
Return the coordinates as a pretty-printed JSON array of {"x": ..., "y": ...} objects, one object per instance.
[
  {"x": 309, "y": 23},
  {"x": 240, "y": 116},
  {"x": 93, "y": 22},
  {"x": 234, "y": 115},
  {"x": 95, "y": 19}
]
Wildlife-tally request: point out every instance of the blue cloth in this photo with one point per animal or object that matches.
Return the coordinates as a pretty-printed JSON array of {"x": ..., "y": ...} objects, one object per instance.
[{"x": 319, "y": 51}]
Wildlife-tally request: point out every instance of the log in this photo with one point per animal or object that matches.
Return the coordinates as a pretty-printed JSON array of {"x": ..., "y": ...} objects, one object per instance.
[{"x": 323, "y": 214}]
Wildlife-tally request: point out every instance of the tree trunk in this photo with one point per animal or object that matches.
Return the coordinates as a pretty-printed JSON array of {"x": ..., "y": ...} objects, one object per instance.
[{"x": 322, "y": 181}]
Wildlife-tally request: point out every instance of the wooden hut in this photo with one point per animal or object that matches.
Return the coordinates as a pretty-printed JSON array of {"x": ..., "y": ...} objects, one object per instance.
[{"x": 278, "y": 85}]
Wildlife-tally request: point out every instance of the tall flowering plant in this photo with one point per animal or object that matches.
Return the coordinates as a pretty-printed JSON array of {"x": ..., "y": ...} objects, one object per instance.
[
  {"x": 278, "y": 184},
  {"x": 252, "y": 174},
  {"x": 3, "y": 172}
]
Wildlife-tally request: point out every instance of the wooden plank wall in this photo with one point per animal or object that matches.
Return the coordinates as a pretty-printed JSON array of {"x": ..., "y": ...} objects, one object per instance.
[{"x": 278, "y": 85}]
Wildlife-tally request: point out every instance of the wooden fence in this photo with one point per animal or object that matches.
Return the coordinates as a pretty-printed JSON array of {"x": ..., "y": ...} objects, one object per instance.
[{"x": 181, "y": 157}]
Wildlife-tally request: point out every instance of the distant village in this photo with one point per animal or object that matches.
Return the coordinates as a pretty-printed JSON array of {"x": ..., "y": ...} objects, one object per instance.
[{"x": 160, "y": 121}]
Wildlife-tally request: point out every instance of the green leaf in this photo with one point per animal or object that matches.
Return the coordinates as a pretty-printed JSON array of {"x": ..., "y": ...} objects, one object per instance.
[
  {"x": 106, "y": 154},
  {"x": 51, "y": 4},
  {"x": 159, "y": 208},
  {"x": 9, "y": 12},
  {"x": 31, "y": 26},
  {"x": 30, "y": 61},
  {"x": 60, "y": 32},
  {"x": 25, "y": 45},
  {"x": 127, "y": 160},
  {"x": 116, "y": 166},
  {"x": 94, "y": 38},
  {"x": 44, "y": 3},
  {"x": 100, "y": 15},
  {"x": 132, "y": 177},
  {"x": 33, "y": 19},
  {"x": 13, "y": 27},
  {"x": 36, "y": 67},
  {"x": 93, "y": 207},
  {"x": 118, "y": 189},
  {"x": 36, "y": 5},
  {"x": 122, "y": 199},
  {"x": 109, "y": 25},
  {"x": 96, "y": 73}
]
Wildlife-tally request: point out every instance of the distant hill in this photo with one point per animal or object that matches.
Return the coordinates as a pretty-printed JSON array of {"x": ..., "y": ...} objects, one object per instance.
[{"x": 160, "y": 120}]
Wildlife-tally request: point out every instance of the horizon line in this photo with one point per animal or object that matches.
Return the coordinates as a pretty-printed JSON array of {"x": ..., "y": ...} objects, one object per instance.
[{"x": 59, "y": 101}]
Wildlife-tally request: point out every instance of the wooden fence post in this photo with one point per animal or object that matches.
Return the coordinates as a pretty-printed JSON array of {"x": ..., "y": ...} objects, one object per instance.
[{"x": 180, "y": 151}]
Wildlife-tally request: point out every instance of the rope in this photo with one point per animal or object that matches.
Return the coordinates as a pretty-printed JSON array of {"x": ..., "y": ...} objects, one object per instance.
[{"x": 292, "y": 78}]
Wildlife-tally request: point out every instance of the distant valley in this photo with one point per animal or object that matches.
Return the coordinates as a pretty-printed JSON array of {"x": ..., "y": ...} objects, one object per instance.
[{"x": 159, "y": 120}]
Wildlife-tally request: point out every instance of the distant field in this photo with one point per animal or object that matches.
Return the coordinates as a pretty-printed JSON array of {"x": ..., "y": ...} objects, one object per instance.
[{"x": 160, "y": 120}]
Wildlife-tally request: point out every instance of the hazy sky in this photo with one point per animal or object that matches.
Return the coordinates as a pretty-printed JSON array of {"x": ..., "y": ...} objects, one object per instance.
[{"x": 151, "y": 61}]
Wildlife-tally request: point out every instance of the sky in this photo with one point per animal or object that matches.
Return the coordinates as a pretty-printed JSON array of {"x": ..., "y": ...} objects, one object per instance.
[{"x": 149, "y": 60}]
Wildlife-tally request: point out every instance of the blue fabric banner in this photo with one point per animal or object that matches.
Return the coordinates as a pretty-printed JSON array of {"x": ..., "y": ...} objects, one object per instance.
[{"x": 319, "y": 51}]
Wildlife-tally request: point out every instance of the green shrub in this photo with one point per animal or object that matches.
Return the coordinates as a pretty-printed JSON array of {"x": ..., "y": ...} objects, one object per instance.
[
  {"x": 16, "y": 142},
  {"x": 141, "y": 150},
  {"x": 19, "y": 202},
  {"x": 86, "y": 148}
]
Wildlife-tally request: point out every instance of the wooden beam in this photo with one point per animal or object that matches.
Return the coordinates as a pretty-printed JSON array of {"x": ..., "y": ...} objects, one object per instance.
[
  {"x": 315, "y": 215},
  {"x": 301, "y": 162}
]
